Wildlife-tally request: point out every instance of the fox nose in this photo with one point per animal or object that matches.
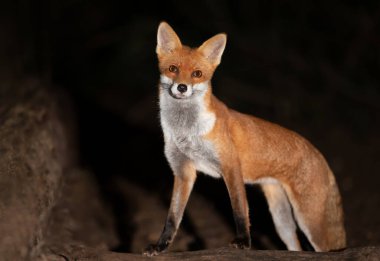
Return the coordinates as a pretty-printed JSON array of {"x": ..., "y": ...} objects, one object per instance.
[{"x": 182, "y": 88}]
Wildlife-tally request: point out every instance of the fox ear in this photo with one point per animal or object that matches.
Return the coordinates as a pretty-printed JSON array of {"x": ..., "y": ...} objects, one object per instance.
[
  {"x": 213, "y": 48},
  {"x": 167, "y": 39}
]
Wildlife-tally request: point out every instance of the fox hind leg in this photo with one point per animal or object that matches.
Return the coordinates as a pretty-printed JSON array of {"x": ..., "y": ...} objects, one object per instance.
[{"x": 282, "y": 215}]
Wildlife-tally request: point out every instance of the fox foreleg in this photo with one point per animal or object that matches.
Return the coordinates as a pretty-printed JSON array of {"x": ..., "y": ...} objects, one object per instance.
[{"x": 183, "y": 185}]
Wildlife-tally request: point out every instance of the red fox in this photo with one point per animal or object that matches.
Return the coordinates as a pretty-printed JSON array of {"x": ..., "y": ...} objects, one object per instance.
[{"x": 202, "y": 134}]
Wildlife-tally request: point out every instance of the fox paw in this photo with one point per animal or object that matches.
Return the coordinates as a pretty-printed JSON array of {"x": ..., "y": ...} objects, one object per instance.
[
  {"x": 153, "y": 250},
  {"x": 241, "y": 243}
]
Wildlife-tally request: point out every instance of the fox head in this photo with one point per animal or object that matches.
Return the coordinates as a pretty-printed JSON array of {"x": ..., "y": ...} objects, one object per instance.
[{"x": 186, "y": 72}]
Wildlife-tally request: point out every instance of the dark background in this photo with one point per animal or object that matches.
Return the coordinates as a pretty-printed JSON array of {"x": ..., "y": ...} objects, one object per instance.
[{"x": 312, "y": 67}]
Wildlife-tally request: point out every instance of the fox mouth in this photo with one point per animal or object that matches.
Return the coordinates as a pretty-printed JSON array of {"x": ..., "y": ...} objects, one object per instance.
[{"x": 178, "y": 96}]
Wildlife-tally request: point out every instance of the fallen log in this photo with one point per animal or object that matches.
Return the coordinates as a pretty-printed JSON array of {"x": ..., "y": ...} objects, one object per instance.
[{"x": 220, "y": 254}]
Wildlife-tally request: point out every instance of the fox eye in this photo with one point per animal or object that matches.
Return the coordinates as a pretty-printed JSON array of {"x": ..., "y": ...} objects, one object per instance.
[
  {"x": 196, "y": 74},
  {"x": 173, "y": 68}
]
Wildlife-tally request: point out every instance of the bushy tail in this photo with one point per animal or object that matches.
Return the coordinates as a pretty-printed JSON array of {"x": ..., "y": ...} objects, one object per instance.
[
  {"x": 321, "y": 218},
  {"x": 334, "y": 215}
]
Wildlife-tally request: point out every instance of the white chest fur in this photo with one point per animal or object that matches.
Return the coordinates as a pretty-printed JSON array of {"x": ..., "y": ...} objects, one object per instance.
[{"x": 184, "y": 123}]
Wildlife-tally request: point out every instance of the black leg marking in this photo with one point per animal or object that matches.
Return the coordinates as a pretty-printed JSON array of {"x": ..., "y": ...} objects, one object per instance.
[
  {"x": 165, "y": 239},
  {"x": 243, "y": 237}
]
